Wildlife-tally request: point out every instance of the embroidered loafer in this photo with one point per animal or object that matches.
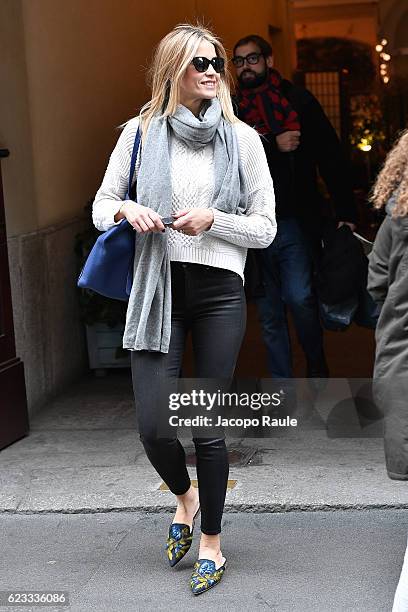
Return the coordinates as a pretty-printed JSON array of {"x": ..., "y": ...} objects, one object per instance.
[
  {"x": 179, "y": 541},
  {"x": 205, "y": 575}
]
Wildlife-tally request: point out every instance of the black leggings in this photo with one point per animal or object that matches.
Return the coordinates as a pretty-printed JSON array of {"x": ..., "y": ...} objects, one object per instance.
[{"x": 209, "y": 302}]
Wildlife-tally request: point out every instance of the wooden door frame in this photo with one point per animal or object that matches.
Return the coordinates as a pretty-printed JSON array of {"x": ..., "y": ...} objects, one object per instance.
[{"x": 13, "y": 400}]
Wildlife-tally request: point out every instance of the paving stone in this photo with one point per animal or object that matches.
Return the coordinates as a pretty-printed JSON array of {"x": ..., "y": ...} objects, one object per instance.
[{"x": 84, "y": 454}]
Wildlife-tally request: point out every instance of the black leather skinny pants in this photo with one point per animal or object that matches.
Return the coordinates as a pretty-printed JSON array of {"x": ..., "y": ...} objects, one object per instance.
[{"x": 210, "y": 303}]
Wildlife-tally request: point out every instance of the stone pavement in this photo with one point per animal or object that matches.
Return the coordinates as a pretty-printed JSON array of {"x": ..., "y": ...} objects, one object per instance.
[
  {"x": 83, "y": 455},
  {"x": 288, "y": 562}
]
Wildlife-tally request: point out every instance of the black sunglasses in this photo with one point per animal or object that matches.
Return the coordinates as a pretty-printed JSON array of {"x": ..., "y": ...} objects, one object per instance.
[
  {"x": 201, "y": 64},
  {"x": 251, "y": 58}
]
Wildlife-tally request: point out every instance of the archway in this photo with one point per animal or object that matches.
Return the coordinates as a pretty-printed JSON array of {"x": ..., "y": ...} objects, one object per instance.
[{"x": 327, "y": 54}]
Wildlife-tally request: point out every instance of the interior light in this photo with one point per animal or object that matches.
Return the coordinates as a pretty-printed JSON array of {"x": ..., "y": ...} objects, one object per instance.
[{"x": 364, "y": 145}]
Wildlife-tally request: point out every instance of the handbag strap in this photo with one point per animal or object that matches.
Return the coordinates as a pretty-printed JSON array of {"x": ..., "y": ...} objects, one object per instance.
[{"x": 135, "y": 151}]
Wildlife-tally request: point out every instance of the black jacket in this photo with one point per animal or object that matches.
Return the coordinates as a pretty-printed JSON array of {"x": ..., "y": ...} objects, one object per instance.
[{"x": 295, "y": 174}]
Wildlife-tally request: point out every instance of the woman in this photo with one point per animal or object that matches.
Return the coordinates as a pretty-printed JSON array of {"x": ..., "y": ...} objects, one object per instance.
[
  {"x": 207, "y": 170},
  {"x": 388, "y": 285}
]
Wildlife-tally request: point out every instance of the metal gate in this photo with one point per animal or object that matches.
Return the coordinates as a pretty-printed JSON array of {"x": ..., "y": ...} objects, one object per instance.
[{"x": 330, "y": 89}]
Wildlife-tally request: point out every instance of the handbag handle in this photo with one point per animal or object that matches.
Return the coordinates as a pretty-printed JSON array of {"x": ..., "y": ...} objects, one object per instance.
[{"x": 135, "y": 151}]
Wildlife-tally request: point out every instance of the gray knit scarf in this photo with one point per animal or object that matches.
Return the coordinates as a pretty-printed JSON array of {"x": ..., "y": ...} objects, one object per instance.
[{"x": 148, "y": 319}]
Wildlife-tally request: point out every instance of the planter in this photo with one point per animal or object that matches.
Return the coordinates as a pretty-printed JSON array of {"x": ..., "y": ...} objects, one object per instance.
[{"x": 105, "y": 348}]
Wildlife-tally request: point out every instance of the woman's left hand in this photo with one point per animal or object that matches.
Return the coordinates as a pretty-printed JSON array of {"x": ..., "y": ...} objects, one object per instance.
[{"x": 193, "y": 221}]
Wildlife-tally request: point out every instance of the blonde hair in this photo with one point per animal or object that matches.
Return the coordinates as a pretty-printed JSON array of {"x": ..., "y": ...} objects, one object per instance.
[
  {"x": 172, "y": 56},
  {"x": 393, "y": 175}
]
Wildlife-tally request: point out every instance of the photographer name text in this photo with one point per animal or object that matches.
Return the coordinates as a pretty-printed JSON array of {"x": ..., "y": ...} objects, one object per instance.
[{"x": 205, "y": 421}]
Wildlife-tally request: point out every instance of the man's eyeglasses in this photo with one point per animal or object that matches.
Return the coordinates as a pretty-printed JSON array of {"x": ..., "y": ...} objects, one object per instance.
[
  {"x": 201, "y": 64},
  {"x": 251, "y": 58}
]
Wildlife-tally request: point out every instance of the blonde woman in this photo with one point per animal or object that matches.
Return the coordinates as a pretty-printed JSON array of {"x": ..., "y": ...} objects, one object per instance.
[{"x": 207, "y": 170}]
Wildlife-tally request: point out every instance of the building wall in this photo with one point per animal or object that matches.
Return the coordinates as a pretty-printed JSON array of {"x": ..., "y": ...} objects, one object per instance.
[
  {"x": 15, "y": 122},
  {"x": 71, "y": 72},
  {"x": 394, "y": 26},
  {"x": 391, "y": 16},
  {"x": 49, "y": 337},
  {"x": 357, "y": 21},
  {"x": 237, "y": 19},
  {"x": 84, "y": 77}
]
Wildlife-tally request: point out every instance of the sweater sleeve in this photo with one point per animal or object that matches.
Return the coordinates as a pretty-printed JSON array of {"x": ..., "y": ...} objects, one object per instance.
[
  {"x": 111, "y": 193},
  {"x": 377, "y": 284},
  {"x": 257, "y": 228}
]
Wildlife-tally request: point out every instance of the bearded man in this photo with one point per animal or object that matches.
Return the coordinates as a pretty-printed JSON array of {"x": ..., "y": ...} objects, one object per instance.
[{"x": 300, "y": 143}]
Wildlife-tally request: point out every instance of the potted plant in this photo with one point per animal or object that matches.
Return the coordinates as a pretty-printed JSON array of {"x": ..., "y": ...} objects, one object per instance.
[{"x": 103, "y": 317}]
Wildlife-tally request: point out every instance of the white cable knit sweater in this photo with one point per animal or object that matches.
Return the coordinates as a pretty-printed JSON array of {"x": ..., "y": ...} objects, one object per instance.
[{"x": 225, "y": 244}]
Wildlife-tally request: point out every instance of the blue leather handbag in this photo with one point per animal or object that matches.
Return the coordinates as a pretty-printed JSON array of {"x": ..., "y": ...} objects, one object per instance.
[{"x": 108, "y": 269}]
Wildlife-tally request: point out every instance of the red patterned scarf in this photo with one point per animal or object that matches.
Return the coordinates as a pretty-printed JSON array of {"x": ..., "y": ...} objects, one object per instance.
[{"x": 266, "y": 109}]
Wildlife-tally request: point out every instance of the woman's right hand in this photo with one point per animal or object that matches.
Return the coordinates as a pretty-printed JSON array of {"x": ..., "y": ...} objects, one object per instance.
[{"x": 141, "y": 218}]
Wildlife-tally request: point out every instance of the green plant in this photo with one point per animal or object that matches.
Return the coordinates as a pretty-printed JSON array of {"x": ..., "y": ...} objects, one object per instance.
[
  {"x": 367, "y": 127},
  {"x": 95, "y": 308}
]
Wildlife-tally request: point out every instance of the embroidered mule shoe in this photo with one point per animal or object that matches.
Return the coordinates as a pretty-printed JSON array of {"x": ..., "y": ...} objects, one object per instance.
[
  {"x": 205, "y": 575},
  {"x": 179, "y": 541}
]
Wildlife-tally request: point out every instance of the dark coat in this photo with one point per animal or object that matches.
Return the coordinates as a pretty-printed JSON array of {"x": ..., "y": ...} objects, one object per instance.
[
  {"x": 388, "y": 286},
  {"x": 295, "y": 179},
  {"x": 295, "y": 174}
]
